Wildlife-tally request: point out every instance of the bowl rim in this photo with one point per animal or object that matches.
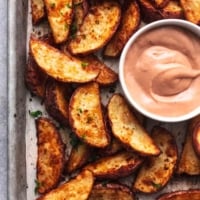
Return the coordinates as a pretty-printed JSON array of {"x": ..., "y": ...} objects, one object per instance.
[{"x": 160, "y": 23}]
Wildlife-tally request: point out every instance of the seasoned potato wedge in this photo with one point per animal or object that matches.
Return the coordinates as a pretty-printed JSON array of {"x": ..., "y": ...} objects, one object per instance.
[
  {"x": 111, "y": 191},
  {"x": 196, "y": 139},
  {"x": 60, "y": 66},
  {"x": 86, "y": 117},
  {"x": 157, "y": 171},
  {"x": 160, "y": 3},
  {"x": 78, "y": 157},
  {"x": 106, "y": 76},
  {"x": 129, "y": 23},
  {"x": 191, "y": 10},
  {"x": 112, "y": 167},
  {"x": 98, "y": 27},
  {"x": 35, "y": 79},
  {"x": 181, "y": 195},
  {"x": 59, "y": 13},
  {"x": 56, "y": 101},
  {"x": 37, "y": 10},
  {"x": 189, "y": 162},
  {"x": 127, "y": 128},
  {"x": 78, "y": 188},
  {"x": 50, "y": 161}
]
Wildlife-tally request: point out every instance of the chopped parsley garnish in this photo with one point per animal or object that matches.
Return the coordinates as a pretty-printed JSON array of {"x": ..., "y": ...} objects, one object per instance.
[
  {"x": 53, "y": 5},
  {"x": 73, "y": 30},
  {"x": 35, "y": 114},
  {"x": 78, "y": 4},
  {"x": 80, "y": 110},
  {"x": 66, "y": 26},
  {"x": 69, "y": 5},
  {"x": 37, "y": 186},
  {"x": 84, "y": 64},
  {"x": 156, "y": 185}
]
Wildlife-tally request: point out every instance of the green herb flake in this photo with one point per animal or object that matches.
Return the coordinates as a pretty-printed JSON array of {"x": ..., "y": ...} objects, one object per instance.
[
  {"x": 37, "y": 186},
  {"x": 35, "y": 114},
  {"x": 83, "y": 137},
  {"x": 78, "y": 4},
  {"x": 84, "y": 64},
  {"x": 156, "y": 185},
  {"x": 104, "y": 183},
  {"x": 52, "y": 5},
  {"x": 66, "y": 26},
  {"x": 69, "y": 5},
  {"x": 80, "y": 110},
  {"x": 74, "y": 141}
]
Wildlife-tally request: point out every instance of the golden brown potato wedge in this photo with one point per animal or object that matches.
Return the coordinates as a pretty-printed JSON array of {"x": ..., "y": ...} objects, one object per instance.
[
  {"x": 37, "y": 10},
  {"x": 129, "y": 23},
  {"x": 86, "y": 117},
  {"x": 97, "y": 28},
  {"x": 111, "y": 191},
  {"x": 56, "y": 101},
  {"x": 59, "y": 13},
  {"x": 127, "y": 128},
  {"x": 50, "y": 161},
  {"x": 78, "y": 188},
  {"x": 189, "y": 162},
  {"x": 157, "y": 171},
  {"x": 191, "y": 10},
  {"x": 160, "y": 3},
  {"x": 35, "y": 79},
  {"x": 79, "y": 155},
  {"x": 106, "y": 76},
  {"x": 112, "y": 167},
  {"x": 181, "y": 195},
  {"x": 60, "y": 66},
  {"x": 196, "y": 139}
]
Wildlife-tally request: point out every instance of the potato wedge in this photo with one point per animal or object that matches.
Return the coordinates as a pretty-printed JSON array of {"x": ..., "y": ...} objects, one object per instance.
[
  {"x": 116, "y": 166},
  {"x": 189, "y": 162},
  {"x": 35, "y": 79},
  {"x": 181, "y": 195},
  {"x": 59, "y": 13},
  {"x": 86, "y": 117},
  {"x": 56, "y": 101},
  {"x": 157, "y": 171},
  {"x": 50, "y": 161},
  {"x": 160, "y": 3},
  {"x": 129, "y": 24},
  {"x": 78, "y": 188},
  {"x": 111, "y": 191},
  {"x": 37, "y": 10},
  {"x": 196, "y": 139},
  {"x": 127, "y": 128},
  {"x": 79, "y": 155},
  {"x": 191, "y": 10},
  {"x": 98, "y": 27},
  {"x": 60, "y": 66},
  {"x": 106, "y": 76}
]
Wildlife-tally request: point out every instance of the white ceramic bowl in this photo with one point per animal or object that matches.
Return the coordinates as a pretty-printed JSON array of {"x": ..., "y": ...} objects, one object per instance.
[{"x": 167, "y": 22}]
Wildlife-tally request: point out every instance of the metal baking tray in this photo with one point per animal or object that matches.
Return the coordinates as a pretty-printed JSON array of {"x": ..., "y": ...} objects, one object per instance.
[{"x": 21, "y": 127}]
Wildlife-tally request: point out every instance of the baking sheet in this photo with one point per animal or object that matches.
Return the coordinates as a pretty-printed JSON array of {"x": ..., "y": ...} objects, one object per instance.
[{"x": 21, "y": 127}]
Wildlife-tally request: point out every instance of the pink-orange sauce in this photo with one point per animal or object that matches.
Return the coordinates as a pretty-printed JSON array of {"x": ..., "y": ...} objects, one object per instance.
[{"x": 162, "y": 71}]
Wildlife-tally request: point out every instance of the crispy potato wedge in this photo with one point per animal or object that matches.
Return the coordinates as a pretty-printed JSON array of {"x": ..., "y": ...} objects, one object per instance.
[
  {"x": 129, "y": 23},
  {"x": 172, "y": 10},
  {"x": 160, "y": 3},
  {"x": 106, "y": 76},
  {"x": 127, "y": 128},
  {"x": 98, "y": 27},
  {"x": 60, "y": 66},
  {"x": 181, "y": 195},
  {"x": 78, "y": 188},
  {"x": 115, "y": 166},
  {"x": 111, "y": 191},
  {"x": 59, "y": 13},
  {"x": 78, "y": 157},
  {"x": 56, "y": 101},
  {"x": 37, "y": 10},
  {"x": 35, "y": 79},
  {"x": 86, "y": 117},
  {"x": 189, "y": 162},
  {"x": 191, "y": 10},
  {"x": 50, "y": 161},
  {"x": 196, "y": 139},
  {"x": 157, "y": 171}
]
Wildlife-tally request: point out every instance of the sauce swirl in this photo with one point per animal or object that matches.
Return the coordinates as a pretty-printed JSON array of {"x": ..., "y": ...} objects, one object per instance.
[{"x": 162, "y": 71}]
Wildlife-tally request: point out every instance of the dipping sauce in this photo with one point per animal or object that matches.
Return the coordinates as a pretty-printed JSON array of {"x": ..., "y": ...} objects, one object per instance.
[{"x": 162, "y": 71}]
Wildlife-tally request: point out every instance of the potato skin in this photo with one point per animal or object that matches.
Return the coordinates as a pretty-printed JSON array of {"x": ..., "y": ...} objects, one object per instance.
[
  {"x": 196, "y": 139},
  {"x": 37, "y": 11},
  {"x": 193, "y": 194},
  {"x": 50, "y": 161}
]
